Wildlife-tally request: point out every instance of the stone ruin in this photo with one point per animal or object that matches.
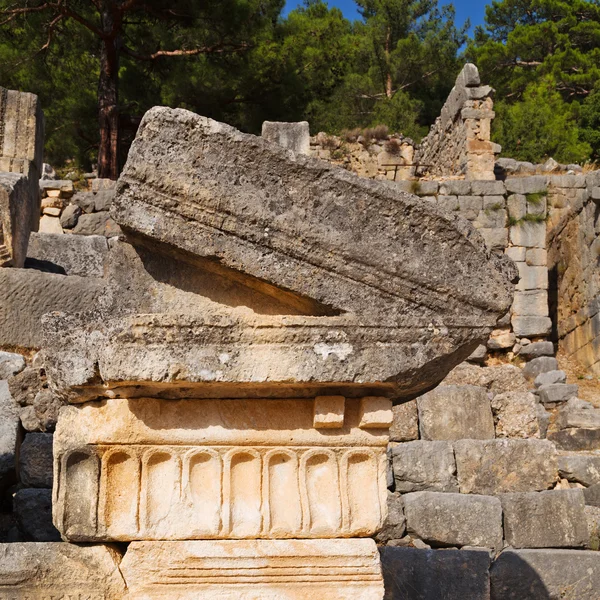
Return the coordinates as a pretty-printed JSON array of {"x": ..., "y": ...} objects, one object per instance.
[{"x": 253, "y": 383}]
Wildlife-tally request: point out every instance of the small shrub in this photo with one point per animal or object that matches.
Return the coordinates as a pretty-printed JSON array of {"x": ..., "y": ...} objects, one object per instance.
[
  {"x": 513, "y": 222},
  {"x": 351, "y": 135},
  {"x": 494, "y": 208},
  {"x": 535, "y": 199},
  {"x": 393, "y": 147},
  {"x": 415, "y": 187},
  {"x": 380, "y": 132},
  {"x": 328, "y": 142},
  {"x": 534, "y": 219}
]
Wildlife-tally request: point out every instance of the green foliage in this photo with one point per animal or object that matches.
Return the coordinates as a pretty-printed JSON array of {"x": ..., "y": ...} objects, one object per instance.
[
  {"x": 535, "y": 199},
  {"x": 589, "y": 118},
  {"x": 540, "y": 126}
]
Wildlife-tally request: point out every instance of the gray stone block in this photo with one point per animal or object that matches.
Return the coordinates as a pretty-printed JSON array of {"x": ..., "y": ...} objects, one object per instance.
[
  {"x": 26, "y": 295},
  {"x": 470, "y": 206},
  {"x": 86, "y": 201},
  {"x": 517, "y": 206},
  {"x": 542, "y": 364},
  {"x": 104, "y": 199},
  {"x": 592, "y": 495},
  {"x": 70, "y": 216},
  {"x": 568, "y": 181},
  {"x": 532, "y": 278},
  {"x": 488, "y": 188},
  {"x": 549, "y": 378},
  {"x": 527, "y": 185},
  {"x": 531, "y": 303},
  {"x": 292, "y": 136},
  {"x": 537, "y": 257},
  {"x": 424, "y": 466},
  {"x": 405, "y": 426},
  {"x": 454, "y": 413},
  {"x": 84, "y": 256},
  {"x": 33, "y": 509},
  {"x": 496, "y": 379},
  {"x": 529, "y": 235},
  {"x": 577, "y": 413},
  {"x": 10, "y": 364},
  {"x": 580, "y": 468},
  {"x": 495, "y": 239},
  {"x": 9, "y": 431},
  {"x": 394, "y": 526},
  {"x": 492, "y": 467},
  {"x": 35, "y": 460},
  {"x": 413, "y": 574},
  {"x": 551, "y": 519},
  {"x": 516, "y": 415},
  {"x": 516, "y": 253},
  {"x": 557, "y": 392},
  {"x": 99, "y": 223},
  {"x": 455, "y": 188},
  {"x": 532, "y": 326},
  {"x": 454, "y": 519},
  {"x": 576, "y": 440},
  {"x": 546, "y": 575},
  {"x": 536, "y": 349}
]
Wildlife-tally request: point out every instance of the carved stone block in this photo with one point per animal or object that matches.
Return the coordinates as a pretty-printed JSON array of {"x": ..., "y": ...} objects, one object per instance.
[
  {"x": 15, "y": 219},
  {"x": 214, "y": 469},
  {"x": 257, "y": 569}
]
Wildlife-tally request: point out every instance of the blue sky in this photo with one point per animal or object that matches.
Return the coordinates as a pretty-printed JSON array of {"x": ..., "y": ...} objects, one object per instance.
[{"x": 465, "y": 9}]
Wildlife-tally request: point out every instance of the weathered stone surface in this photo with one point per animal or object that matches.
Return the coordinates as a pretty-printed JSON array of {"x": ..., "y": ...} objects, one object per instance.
[
  {"x": 17, "y": 208},
  {"x": 33, "y": 509},
  {"x": 501, "y": 339},
  {"x": 592, "y": 495},
  {"x": 413, "y": 574},
  {"x": 580, "y": 468},
  {"x": 552, "y": 519},
  {"x": 527, "y": 185},
  {"x": 70, "y": 216},
  {"x": 535, "y": 366},
  {"x": 45, "y": 570},
  {"x": 592, "y": 514},
  {"x": 578, "y": 413},
  {"x": 336, "y": 274},
  {"x": 291, "y": 136},
  {"x": 455, "y": 412},
  {"x": 537, "y": 349},
  {"x": 292, "y": 569},
  {"x": 497, "y": 379},
  {"x": 529, "y": 235},
  {"x": 550, "y": 377},
  {"x": 35, "y": 460},
  {"x": 495, "y": 466},
  {"x": 405, "y": 426},
  {"x": 532, "y": 326},
  {"x": 516, "y": 415},
  {"x": 271, "y": 473},
  {"x": 546, "y": 575},
  {"x": 576, "y": 439},
  {"x": 557, "y": 392},
  {"x": 26, "y": 295},
  {"x": 50, "y": 225},
  {"x": 9, "y": 431},
  {"x": 394, "y": 525},
  {"x": 99, "y": 223},
  {"x": 454, "y": 519},
  {"x": 532, "y": 303},
  {"x": 10, "y": 364},
  {"x": 84, "y": 256},
  {"x": 424, "y": 466}
]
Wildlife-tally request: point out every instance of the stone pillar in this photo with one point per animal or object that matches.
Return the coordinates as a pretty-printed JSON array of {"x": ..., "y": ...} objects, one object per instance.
[{"x": 230, "y": 399}]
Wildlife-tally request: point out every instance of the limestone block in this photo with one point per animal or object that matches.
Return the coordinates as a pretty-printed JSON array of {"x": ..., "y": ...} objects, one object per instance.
[
  {"x": 537, "y": 349},
  {"x": 16, "y": 210},
  {"x": 328, "y": 412},
  {"x": 52, "y": 211},
  {"x": 454, "y": 519},
  {"x": 44, "y": 570},
  {"x": 84, "y": 256},
  {"x": 491, "y": 218},
  {"x": 488, "y": 188},
  {"x": 550, "y": 377},
  {"x": 496, "y": 379},
  {"x": 541, "y": 364},
  {"x": 517, "y": 206},
  {"x": 492, "y": 467},
  {"x": 100, "y": 184},
  {"x": 33, "y": 511},
  {"x": 375, "y": 413},
  {"x": 516, "y": 253},
  {"x": 99, "y": 223},
  {"x": 291, "y": 136},
  {"x": 527, "y": 185},
  {"x": 495, "y": 239},
  {"x": 50, "y": 225},
  {"x": 557, "y": 392},
  {"x": 516, "y": 415},
  {"x": 35, "y": 460},
  {"x": 568, "y": 181},
  {"x": 532, "y": 278},
  {"x": 394, "y": 526},
  {"x": 532, "y": 303},
  {"x": 424, "y": 466},
  {"x": 592, "y": 495},
  {"x": 470, "y": 206},
  {"x": 455, "y": 412},
  {"x": 65, "y": 186},
  {"x": 455, "y": 188},
  {"x": 580, "y": 468},
  {"x": 415, "y": 574},
  {"x": 26, "y": 295},
  {"x": 552, "y": 519},
  {"x": 536, "y": 257},
  {"x": 269, "y": 569},
  {"x": 212, "y": 469},
  {"x": 529, "y": 234},
  {"x": 577, "y": 413},
  {"x": 478, "y": 355},
  {"x": 347, "y": 295},
  {"x": 576, "y": 440},
  {"x": 593, "y": 519},
  {"x": 70, "y": 216},
  {"x": 10, "y": 364},
  {"x": 9, "y": 431},
  {"x": 405, "y": 426},
  {"x": 501, "y": 339},
  {"x": 564, "y": 574}
]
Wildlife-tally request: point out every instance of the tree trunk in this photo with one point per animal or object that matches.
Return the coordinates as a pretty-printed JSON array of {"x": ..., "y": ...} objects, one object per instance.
[
  {"x": 388, "y": 80},
  {"x": 108, "y": 94}
]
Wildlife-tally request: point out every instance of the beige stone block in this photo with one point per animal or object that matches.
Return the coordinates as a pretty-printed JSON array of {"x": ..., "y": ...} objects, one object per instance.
[
  {"x": 530, "y": 235},
  {"x": 50, "y": 224},
  {"x": 532, "y": 278},
  {"x": 52, "y": 203},
  {"x": 516, "y": 253},
  {"x": 46, "y": 570},
  {"x": 53, "y": 193},
  {"x": 537, "y": 257},
  {"x": 375, "y": 413},
  {"x": 213, "y": 469},
  {"x": 532, "y": 303},
  {"x": 253, "y": 570},
  {"x": 52, "y": 211},
  {"x": 405, "y": 426},
  {"x": 329, "y": 412}
]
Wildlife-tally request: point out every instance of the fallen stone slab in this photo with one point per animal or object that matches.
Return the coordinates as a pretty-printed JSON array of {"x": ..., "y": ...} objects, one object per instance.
[
  {"x": 26, "y": 295},
  {"x": 546, "y": 574},
  {"x": 10, "y": 364},
  {"x": 299, "y": 569},
  {"x": 359, "y": 283},
  {"x": 580, "y": 468},
  {"x": 516, "y": 415},
  {"x": 452, "y": 412},
  {"x": 576, "y": 440},
  {"x": 557, "y": 392},
  {"x": 45, "y": 570},
  {"x": 491, "y": 467},
  {"x": 414, "y": 574},
  {"x": 454, "y": 519},
  {"x": 536, "y": 366},
  {"x": 35, "y": 460},
  {"x": 84, "y": 256},
  {"x": 551, "y": 519},
  {"x": 424, "y": 466}
]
